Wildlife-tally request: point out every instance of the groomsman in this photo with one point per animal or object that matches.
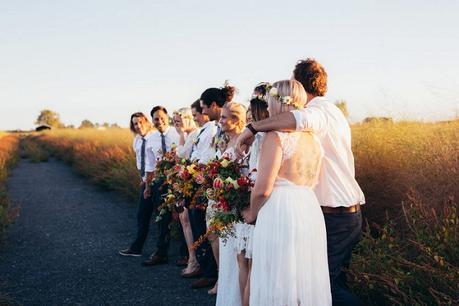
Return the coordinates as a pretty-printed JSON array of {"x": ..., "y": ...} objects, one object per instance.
[
  {"x": 337, "y": 190},
  {"x": 162, "y": 141},
  {"x": 142, "y": 129},
  {"x": 202, "y": 151}
]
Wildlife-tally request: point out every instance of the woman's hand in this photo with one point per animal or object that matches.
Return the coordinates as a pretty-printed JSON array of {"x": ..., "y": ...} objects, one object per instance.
[
  {"x": 243, "y": 142},
  {"x": 248, "y": 217}
]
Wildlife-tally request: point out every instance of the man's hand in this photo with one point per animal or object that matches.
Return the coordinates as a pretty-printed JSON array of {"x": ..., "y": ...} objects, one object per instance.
[
  {"x": 147, "y": 192},
  {"x": 243, "y": 142}
]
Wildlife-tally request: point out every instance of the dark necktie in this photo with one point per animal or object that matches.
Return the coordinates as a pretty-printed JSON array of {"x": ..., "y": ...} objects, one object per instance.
[
  {"x": 193, "y": 147},
  {"x": 142, "y": 158},
  {"x": 163, "y": 143}
]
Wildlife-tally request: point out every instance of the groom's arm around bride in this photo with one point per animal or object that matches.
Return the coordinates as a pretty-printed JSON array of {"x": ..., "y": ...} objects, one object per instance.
[{"x": 337, "y": 190}]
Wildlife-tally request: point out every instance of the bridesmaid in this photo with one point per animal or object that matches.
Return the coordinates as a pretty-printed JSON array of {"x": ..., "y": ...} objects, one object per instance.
[
  {"x": 258, "y": 110},
  {"x": 187, "y": 130},
  {"x": 232, "y": 122}
]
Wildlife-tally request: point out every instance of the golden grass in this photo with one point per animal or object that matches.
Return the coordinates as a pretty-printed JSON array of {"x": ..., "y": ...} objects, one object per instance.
[
  {"x": 396, "y": 161},
  {"x": 105, "y": 157},
  {"x": 8, "y": 156}
]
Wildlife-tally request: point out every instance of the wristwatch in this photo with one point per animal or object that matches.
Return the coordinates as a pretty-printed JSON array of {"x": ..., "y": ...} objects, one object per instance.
[{"x": 251, "y": 128}]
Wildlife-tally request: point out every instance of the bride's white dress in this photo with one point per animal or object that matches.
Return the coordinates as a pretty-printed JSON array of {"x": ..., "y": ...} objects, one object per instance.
[{"x": 289, "y": 242}]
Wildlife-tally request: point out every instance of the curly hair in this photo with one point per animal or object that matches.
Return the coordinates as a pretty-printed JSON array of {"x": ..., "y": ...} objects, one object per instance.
[{"x": 312, "y": 75}]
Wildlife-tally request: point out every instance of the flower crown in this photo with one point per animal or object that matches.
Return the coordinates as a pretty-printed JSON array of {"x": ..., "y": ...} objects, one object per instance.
[
  {"x": 267, "y": 87},
  {"x": 285, "y": 100}
]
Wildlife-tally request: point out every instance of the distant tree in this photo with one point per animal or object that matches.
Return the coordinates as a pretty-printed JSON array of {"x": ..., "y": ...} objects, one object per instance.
[
  {"x": 106, "y": 125},
  {"x": 48, "y": 117},
  {"x": 378, "y": 119},
  {"x": 70, "y": 126},
  {"x": 86, "y": 124},
  {"x": 342, "y": 105},
  {"x": 115, "y": 125}
]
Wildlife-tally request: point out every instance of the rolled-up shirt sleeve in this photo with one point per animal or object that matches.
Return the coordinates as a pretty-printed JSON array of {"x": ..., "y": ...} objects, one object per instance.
[{"x": 310, "y": 119}]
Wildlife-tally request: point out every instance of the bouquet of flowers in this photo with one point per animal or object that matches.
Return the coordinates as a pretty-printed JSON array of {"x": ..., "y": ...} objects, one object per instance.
[
  {"x": 229, "y": 194},
  {"x": 185, "y": 182}
]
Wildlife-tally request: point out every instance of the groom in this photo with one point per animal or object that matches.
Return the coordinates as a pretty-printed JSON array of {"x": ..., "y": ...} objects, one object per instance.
[{"x": 337, "y": 190}]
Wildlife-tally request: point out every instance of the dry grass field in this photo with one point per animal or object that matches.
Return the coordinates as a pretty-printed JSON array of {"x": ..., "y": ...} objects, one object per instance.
[
  {"x": 8, "y": 156},
  {"x": 407, "y": 170}
]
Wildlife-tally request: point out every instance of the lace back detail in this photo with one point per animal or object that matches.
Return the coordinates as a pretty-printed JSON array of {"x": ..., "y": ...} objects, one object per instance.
[{"x": 288, "y": 143}]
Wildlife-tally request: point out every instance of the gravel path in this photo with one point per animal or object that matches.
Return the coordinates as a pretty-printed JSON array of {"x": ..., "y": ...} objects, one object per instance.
[{"x": 63, "y": 247}]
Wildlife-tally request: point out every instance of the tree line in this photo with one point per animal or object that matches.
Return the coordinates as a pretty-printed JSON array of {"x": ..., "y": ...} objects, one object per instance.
[{"x": 52, "y": 119}]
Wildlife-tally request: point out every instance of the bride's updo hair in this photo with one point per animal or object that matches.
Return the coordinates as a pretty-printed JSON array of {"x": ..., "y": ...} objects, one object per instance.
[
  {"x": 285, "y": 96},
  {"x": 218, "y": 95},
  {"x": 238, "y": 112}
]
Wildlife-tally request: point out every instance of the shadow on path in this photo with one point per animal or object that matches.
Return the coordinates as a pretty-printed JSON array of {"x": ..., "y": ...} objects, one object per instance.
[{"x": 63, "y": 248}]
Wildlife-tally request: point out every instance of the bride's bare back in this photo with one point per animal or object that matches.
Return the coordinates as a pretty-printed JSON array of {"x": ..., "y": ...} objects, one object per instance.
[
  {"x": 295, "y": 157},
  {"x": 301, "y": 157}
]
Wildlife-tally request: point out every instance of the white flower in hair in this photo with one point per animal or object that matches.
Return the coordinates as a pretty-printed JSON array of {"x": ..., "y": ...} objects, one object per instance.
[
  {"x": 273, "y": 92},
  {"x": 286, "y": 100}
]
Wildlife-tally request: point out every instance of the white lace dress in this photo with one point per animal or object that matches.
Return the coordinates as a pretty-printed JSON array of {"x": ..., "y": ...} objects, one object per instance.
[{"x": 289, "y": 260}]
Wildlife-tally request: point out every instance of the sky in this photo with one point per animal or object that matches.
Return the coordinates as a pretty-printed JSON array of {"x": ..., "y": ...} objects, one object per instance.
[{"x": 103, "y": 60}]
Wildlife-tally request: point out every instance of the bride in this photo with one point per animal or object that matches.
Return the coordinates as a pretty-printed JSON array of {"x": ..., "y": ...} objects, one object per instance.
[{"x": 289, "y": 259}]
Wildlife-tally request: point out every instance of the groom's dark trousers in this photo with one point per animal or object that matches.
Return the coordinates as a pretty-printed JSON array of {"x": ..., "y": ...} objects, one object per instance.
[
  {"x": 344, "y": 231},
  {"x": 144, "y": 215}
]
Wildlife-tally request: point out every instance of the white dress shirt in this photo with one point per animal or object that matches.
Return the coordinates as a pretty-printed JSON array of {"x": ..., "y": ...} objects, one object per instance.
[
  {"x": 336, "y": 185},
  {"x": 153, "y": 147},
  {"x": 203, "y": 150},
  {"x": 137, "y": 147},
  {"x": 184, "y": 150}
]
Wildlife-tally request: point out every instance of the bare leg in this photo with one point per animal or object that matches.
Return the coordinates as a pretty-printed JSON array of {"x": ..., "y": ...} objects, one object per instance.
[
  {"x": 243, "y": 272},
  {"x": 214, "y": 242},
  {"x": 246, "y": 296},
  {"x": 192, "y": 261}
]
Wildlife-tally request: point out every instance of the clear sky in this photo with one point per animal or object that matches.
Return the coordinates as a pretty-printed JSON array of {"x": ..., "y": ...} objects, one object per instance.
[{"x": 103, "y": 60}]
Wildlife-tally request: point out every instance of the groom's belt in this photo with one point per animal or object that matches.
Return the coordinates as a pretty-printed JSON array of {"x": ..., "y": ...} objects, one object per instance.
[{"x": 341, "y": 209}]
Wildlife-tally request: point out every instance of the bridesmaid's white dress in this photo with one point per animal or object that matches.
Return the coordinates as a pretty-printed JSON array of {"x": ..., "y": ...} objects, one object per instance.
[
  {"x": 228, "y": 293},
  {"x": 289, "y": 259}
]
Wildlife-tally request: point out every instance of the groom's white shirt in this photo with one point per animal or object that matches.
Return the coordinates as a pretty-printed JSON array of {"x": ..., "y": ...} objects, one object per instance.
[{"x": 336, "y": 185}]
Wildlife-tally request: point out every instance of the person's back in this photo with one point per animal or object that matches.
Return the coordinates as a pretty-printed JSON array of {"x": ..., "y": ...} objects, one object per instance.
[
  {"x": 301, "y": 157},
  {"x": 337, "y": 169},
  {"x": 289, "y": 240}
]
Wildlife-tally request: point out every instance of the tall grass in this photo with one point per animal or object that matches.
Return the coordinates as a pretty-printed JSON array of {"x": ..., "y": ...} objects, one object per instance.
[
  {"x": 410, "y": 251},
  {"x": 105, "y": 157},
  {"x": 409, "y": 174},
  {"x": 8, "y": 157}
]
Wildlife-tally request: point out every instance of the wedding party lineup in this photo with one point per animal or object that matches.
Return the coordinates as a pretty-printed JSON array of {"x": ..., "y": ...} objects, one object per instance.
[{"x": 266, "y": 198}]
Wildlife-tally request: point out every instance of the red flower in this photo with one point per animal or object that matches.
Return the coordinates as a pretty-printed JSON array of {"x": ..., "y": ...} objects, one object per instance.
[{"x": 218, "y": 183}]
